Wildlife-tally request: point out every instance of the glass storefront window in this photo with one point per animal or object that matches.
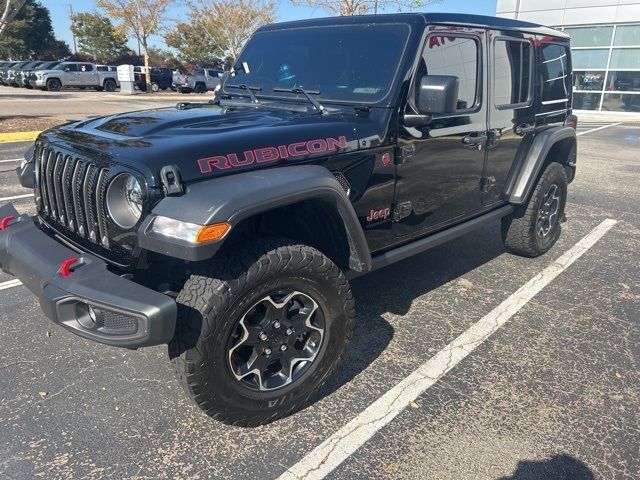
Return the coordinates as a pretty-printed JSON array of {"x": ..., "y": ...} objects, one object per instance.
[
  {"x": 623, "y": 81},
  {"x": 584, "y": 59},
  {"x": 588, "y": 80},
  {"x": 625, "y": 58},
  {"x": 621, "y": 102},
  {"x": 627, "y": 35},
  {"x": 586, "y": 101},
  {"x": 591, "y": 36}
]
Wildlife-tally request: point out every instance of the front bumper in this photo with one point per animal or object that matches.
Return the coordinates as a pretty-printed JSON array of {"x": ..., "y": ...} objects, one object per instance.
[
  {"x": 39, "y": 82},
  {"x": 125, "y": 314}
]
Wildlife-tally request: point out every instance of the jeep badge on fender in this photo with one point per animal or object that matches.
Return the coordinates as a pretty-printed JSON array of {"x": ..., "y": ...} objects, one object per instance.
[{"x": 230, "y": 229}]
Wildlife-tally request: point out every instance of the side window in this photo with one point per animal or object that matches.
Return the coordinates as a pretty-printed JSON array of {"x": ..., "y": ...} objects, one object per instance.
[
  {"x": 512, "y": 73},
  {"x": 85, "y": 67},
  {"x": 556, "y": 74},
  {"x": 199, "y": 71},
  {"x": 71, "y": 67},
  {"x": 456, "y": 56}
]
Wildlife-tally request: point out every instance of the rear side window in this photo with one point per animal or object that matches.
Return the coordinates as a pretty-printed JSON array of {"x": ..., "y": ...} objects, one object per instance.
[
  {"x": 85, "y": 67},
  {"x": 199, "y": 71},
  {"x": 512, "y": 73},
  {"x": 555, "y": 70},
  {"x": 456, "y": 56}
]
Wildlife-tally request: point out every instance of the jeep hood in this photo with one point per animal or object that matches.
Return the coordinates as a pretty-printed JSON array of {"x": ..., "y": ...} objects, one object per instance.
[{"x": 213, "y": 141}]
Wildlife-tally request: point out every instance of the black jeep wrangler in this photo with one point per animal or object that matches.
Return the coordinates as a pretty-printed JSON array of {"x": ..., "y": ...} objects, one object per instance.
[{"x": 336, "y": 146}]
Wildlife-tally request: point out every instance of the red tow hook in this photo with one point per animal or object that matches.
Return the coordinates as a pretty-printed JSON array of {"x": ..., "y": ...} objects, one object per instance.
[
  {"x": 4, "y": 223},
  {"x": 65, "y": 266}
]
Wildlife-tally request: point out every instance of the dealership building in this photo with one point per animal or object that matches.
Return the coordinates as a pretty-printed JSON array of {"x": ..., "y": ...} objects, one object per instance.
[{"x": 605, "y": 47}]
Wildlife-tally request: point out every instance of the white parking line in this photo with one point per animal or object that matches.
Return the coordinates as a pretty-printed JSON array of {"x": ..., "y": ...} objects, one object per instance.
[
  {"x": 323, "y": 459},
  {"x": 16, "y": 197},
  {"x": 10, "y": 284},
  {"x": 599, "y": 128},
  {"x": 11, "y": 160}
]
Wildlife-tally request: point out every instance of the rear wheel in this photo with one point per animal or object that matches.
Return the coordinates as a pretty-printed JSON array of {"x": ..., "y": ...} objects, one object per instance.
[
  {"x": 109, "y": 85},
  {"x": 261, "y": 331},
  {"x": 54, "y": 85},
  {"x": 200, "y": 88},
  {"x": 532, "y": 229},
  {"x": 155, "y": 87}
]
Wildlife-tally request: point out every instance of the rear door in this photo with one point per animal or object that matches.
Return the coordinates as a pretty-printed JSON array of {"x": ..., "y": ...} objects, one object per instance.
[
  {"x": 439, "y": 166},
  {"x": 511, "y": 113},
  {"x": 87, "y": 75}
]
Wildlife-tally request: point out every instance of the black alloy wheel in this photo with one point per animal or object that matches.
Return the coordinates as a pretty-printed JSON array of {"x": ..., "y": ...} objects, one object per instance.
[{"x": 276, "y": 340}]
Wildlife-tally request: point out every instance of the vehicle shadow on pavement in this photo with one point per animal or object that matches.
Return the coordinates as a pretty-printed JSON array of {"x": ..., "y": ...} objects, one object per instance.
[
  {"x": 395, "y": 288},
  {"x": 559, "y": 467},
  {"x": 35, "y": 96}
]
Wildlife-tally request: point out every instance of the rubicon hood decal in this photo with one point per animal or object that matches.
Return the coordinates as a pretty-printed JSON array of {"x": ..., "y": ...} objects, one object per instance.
[{"x": 272, "y": 154}]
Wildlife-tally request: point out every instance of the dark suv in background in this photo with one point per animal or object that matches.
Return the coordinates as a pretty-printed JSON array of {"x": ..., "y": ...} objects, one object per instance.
[{"x": 161, "y": 78}]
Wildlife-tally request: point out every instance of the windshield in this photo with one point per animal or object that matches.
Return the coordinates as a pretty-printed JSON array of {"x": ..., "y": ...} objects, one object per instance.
[{"x": 355, "y": 63}]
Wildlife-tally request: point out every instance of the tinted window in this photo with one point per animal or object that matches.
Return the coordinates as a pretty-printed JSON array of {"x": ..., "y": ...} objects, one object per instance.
[
  {"x": 343, "y": 63},
  {"x": 199, "y": 71},
  {"x": 556, "y": 74},
  {"x": 85, "y": 67},
  {"x": 512, "y": 73},
  {"x": 456, "y": 56},
  {"x": 68, "y": 67},
  {"x": 102, "y": 68},
  {"x": 590, "y": 36}
]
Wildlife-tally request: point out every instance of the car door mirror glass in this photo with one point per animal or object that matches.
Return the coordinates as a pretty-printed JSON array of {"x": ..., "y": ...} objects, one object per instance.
[{"x": 437, "y": 94}]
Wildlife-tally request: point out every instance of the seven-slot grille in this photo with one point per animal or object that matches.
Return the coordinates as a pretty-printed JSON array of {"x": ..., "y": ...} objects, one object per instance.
[{"x": 70, "y": 191}]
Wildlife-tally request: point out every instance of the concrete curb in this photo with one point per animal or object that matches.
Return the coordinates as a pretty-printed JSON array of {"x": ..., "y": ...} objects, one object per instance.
[{"x": 18, "y": 136}]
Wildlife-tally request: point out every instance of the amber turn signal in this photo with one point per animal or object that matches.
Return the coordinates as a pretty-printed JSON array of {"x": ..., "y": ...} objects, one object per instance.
[{"x": 211, "y": 233}]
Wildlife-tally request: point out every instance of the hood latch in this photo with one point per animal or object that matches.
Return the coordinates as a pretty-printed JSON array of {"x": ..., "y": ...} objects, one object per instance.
[{"x": 171, "y": 180}]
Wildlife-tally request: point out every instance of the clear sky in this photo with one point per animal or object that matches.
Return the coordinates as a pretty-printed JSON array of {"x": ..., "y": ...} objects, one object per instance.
[{"x": 285, "y": 10}]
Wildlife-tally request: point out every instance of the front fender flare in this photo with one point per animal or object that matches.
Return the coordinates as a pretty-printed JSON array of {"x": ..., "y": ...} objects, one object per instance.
[{"x": 234, "y": 198}]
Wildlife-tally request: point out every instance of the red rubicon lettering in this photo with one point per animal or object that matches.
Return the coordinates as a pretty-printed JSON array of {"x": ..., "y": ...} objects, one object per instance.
[
  {"x": 207, "y": 164},
  {"x": 272, "y": 154}
]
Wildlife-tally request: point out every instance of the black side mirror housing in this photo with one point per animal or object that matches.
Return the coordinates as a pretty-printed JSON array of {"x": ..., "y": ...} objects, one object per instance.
[{"x": 438, "y": 94}]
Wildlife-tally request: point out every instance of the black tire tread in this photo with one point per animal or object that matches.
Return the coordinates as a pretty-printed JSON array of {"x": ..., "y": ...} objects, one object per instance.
[
  {"x": 207, "y": 292},
  {"x": 518, "y": 229}
]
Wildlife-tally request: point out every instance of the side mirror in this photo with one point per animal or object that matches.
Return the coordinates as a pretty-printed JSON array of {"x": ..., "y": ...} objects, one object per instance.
[{"x": 438, "y": 94}]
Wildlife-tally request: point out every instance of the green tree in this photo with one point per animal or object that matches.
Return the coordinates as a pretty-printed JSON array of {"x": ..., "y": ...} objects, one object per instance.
[
  {"x": 8, "y": 11},
  {"x": 97, "y": 37},
  {"x": 360, "y": 7},
  {"x": 30, "y": 35},
  {"x": 194, "y": 47},
  {"x": 141, "y": 18}
]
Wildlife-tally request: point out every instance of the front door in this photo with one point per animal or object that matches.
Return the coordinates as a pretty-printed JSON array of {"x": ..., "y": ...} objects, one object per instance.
[
  {"x": 440, "y": 166},
  {"x": 511, "y": 116}
]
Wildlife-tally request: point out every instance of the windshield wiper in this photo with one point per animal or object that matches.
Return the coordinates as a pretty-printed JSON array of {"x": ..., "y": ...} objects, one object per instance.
[
  {"x": 306, "y": 93},
  {"x": 247, "y": 89}
]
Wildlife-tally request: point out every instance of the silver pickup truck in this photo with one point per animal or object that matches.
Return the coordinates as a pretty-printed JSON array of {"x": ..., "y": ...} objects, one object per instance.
[
  {"x": 199, "y": 81},
  {"x": 75, "y": 75}
]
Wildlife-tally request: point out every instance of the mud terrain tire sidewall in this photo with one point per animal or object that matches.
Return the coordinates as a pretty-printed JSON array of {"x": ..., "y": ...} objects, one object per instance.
[
  {"x": 214, "y": 299},
  {"x": 519, "y": 231}
]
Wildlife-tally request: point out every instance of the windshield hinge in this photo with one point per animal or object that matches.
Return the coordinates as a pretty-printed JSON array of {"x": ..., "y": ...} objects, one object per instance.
[{"x": 171, "y": 180}]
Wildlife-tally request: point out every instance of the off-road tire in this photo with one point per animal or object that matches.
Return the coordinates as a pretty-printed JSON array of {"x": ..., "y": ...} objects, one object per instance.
[
  {"x": 54, "y": 85},
  {"x": 520, "y": 228},
  {"x": 215, "y": 298}
]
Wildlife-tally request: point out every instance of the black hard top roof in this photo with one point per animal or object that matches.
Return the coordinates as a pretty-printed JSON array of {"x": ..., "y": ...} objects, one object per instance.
[{"x": 425, "y": 18}]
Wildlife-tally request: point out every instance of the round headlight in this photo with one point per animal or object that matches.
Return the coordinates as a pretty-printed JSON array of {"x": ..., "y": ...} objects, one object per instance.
[{"x": 124, "y": 200}]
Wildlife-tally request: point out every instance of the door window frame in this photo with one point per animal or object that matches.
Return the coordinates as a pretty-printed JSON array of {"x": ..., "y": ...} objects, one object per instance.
[
  {"x": 479, "y": 97},
  {"x": 513, "y": 106}
]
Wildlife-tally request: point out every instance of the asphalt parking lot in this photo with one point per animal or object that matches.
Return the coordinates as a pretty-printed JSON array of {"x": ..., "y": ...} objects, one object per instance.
[{"x": 554, "y": 393}]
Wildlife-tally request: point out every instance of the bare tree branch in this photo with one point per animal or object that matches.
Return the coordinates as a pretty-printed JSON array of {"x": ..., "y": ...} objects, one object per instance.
[
  {"x": 11, "y": 9},
  {"x": 361, "y": 7}
]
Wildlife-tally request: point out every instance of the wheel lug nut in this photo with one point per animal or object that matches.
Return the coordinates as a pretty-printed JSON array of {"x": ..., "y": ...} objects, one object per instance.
[
  {"x": 276, "y": 324},
  {"x": 283, "y": 347},
  {"x": 289, "y": 331},
  {"x": 263, "y": 336},
  {"x": 267, "y": 351}
]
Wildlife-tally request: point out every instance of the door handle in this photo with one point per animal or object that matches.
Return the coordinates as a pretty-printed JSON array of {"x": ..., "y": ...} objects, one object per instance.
[{"x": 475, "y": 140}]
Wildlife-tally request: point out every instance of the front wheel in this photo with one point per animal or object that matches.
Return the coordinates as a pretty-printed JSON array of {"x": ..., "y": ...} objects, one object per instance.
[
  {"x": 54, "y": 85},
  {"x": 533, "y": 228},
  {"x": 155, "y": 88},
  {"x": 261, "y": 330}
]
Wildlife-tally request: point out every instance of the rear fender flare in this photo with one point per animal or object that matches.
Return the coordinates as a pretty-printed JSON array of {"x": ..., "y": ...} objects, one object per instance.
[
  {"x": 234, "y": 198},
  {"x": 530, "y": 159}
]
